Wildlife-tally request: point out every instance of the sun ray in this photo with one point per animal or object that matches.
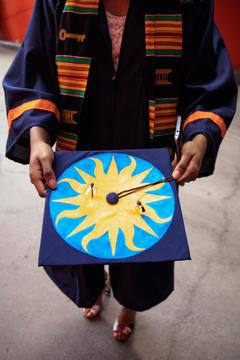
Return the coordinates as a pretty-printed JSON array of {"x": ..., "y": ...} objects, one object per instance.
[
  {"x": 98, "y": 171},
  {"x": 148, "y": 198},
  {"x": 95, "y": 233},
  {"x": 84, "y": 225},
  {"x": 129, "y": 232},
  {"x": 113, "y": 234},
  {"x": 70, "y": 201},
  {"x": 86, "y": 177},
  {"x": 151, "y": 213},
  {"x": 112, "y": 170},
  {"x": 93, "y": 218},
  {"x": 99, "y": 216},
  {"x": 71, "y": 214},
  {"x": 128, "y": 169},
  {"x": 137, "y": 179},
  {"x": 139, "y": 222},
  {"x": 75, "y": 185}
]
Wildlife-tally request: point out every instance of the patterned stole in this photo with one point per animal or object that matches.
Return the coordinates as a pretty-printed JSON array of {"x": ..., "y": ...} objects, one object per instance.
[
  {"x": 163, "y": 34},
  {"x": 74, "y": 54},
  {"x": 163, "y": 37}
]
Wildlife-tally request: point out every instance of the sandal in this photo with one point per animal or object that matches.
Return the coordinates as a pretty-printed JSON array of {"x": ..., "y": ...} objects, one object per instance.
[
  {"x": 124, "y": 330},
  {"x": 92, "y": 312}
]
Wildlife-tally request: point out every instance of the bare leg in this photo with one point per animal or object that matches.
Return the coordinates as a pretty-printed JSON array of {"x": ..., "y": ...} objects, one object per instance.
[{"x": 126, "y": 317}]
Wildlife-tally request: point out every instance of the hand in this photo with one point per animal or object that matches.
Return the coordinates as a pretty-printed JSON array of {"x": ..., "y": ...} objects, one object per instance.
[
  {"x": 41, "y": 159},
  {"x": 191, "y": 160}
]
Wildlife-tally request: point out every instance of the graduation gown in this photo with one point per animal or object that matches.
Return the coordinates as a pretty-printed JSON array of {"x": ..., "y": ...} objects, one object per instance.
[{"x": 114, "y": 115}]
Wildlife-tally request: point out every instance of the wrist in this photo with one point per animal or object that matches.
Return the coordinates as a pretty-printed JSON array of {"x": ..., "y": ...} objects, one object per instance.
[
  {"x": 39, "y": 134},
  {"x": 202, "y": 142}
]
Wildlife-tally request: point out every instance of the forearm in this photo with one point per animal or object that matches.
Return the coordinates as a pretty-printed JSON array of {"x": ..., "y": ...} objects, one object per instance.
[{"x": 39, "y": 134}]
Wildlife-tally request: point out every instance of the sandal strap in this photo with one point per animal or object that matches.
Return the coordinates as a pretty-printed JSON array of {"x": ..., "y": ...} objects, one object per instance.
[
  {"x": 123, "y": 328},
  {"x": 94, "y": 311}
]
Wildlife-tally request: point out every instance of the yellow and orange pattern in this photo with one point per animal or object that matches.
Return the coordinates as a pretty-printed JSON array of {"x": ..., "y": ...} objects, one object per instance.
[
  {"x": 162, "y": 116},
  {"x": 66, "y": 141},
  {"x": 72, "y": 74},
  {"x": 163, "y": 34},
  {"x": 82, "y": 6}
]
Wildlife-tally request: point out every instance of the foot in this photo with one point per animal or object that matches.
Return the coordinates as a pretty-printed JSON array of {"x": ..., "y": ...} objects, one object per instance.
[
  {"x": 92, "y": 312},
  {"x": 95, "y": 310},
  {"x": 123, "y": 326}
]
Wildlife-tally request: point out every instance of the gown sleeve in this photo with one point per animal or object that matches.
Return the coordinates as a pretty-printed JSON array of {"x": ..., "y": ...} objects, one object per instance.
[
  {"x": 208, "y": 100},
  {"x": 31, "y": 85}
]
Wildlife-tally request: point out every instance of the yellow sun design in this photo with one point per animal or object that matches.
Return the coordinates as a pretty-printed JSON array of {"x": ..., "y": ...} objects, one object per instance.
[{"x": 92, "y": 204}]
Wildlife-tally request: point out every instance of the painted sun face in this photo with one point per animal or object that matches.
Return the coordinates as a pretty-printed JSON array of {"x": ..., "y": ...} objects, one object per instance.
[{"x": 85, "y": 220}]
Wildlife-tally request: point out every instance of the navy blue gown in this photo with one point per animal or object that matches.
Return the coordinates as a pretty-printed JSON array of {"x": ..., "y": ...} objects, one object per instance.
[
  {"x": 115, "y": 116},
  {"x": 117, "y": 120}
]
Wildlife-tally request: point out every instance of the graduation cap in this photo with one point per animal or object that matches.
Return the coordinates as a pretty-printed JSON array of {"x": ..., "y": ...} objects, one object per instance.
[{"x": 112, "y": 207}]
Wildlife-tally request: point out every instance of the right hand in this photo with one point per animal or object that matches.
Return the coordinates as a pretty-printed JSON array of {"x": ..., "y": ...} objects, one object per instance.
[
  {"x": 41, "y": 158},
  {"x": 191, "y": 160}
]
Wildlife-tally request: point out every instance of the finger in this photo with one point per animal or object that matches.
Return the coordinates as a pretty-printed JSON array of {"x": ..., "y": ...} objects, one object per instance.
[
  {"x": 184, "y": 180},
  {"x": 41, "y": 188},
  {"x": 174, "y": 162},
  {"x": 41, "y": 173},
  {"x": 188, "y": 162},
  {"x": 48, "y": 173},
  {"x": 180, "y": 168},
  {"x": 188, "y": 173},
  {"x": 37, "y": 179}
]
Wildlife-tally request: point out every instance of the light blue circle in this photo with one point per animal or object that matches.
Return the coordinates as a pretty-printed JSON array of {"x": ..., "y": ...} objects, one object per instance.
[{"x": 101, "y": 247}]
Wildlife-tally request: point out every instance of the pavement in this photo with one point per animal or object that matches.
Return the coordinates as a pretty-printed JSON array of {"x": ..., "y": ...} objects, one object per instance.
[{"x": 199, "y": 321}]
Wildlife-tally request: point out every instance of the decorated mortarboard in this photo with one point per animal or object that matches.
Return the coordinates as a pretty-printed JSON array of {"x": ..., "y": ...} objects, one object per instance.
[{"x": 112, "y": 207}]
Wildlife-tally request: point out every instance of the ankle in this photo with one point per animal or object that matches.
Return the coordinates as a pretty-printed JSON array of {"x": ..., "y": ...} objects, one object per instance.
[{"x": 126, "y": 317}]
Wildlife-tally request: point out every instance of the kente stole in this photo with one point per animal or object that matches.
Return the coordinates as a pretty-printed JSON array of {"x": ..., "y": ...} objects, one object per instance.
[{"x": 163, "y": 39}]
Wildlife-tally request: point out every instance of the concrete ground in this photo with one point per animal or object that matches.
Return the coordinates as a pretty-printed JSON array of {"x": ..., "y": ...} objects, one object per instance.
[{"x": 199, "y": 321}]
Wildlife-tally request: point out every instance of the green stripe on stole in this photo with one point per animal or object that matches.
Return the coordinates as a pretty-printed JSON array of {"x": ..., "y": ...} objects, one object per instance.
[{"x": 72, "y": 8}]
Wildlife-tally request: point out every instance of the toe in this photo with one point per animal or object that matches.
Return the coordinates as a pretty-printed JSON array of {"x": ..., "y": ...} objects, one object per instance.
[{"x": 87, "y": 312}]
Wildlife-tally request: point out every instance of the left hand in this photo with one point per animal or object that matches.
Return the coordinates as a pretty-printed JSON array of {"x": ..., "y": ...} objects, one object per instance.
[{"x": 191, "y": 160}]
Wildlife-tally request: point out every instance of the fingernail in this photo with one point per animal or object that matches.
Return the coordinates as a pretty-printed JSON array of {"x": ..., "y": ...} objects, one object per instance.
[
  {"x": 176, "y": 174},
  {"x": 52, "y": 184}
]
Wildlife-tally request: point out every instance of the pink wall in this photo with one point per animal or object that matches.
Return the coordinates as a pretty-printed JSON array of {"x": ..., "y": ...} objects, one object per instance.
[
  {"x": 227, "y": 17},
  {"x": 15, "y": 15},
  {"x": 14, "y": 18}
]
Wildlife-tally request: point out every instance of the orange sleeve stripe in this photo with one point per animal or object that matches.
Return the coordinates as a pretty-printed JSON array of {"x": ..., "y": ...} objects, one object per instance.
[
  {"x": 39, "y": 104},
  {"x": 207, "y": 115}
]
